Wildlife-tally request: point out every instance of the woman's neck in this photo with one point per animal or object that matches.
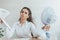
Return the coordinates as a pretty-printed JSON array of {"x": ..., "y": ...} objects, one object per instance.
[{"x": 22, "y": 21}]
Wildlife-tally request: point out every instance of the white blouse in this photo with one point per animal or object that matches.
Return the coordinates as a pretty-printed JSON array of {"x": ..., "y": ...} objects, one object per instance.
[{"x": 21, "y": 30}]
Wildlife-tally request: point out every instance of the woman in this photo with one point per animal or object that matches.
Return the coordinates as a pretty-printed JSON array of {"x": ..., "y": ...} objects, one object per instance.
[{"x": 24, "y": 26}]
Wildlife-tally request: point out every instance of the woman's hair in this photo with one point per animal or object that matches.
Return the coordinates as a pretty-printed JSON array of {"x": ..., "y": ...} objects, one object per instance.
[{"x": 30, "y": 14}]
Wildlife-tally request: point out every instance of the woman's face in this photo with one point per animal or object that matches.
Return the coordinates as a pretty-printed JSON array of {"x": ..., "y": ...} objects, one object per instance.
[{"x": 24, "y": 14}]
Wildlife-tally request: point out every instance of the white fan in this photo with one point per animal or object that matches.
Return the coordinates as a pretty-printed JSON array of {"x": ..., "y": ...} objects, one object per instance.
[
  {"x": 48, "y": 16},
  {"x": 4, "y": 13}
]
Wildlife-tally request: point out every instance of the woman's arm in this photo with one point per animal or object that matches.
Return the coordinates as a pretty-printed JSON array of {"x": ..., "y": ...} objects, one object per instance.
[
  {"x": 37, "y": 33},
  {"x": 33, "y": 30}
]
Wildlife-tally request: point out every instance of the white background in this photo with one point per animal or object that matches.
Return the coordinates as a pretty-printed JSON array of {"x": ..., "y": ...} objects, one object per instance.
[{"x": 36, "y": 6}]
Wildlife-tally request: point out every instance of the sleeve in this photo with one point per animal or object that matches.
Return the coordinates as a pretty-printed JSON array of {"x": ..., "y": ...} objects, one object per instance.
[
  {"x": 42, "y": 35},
  {"x": 36, "y": 33},
  {"x": 33, "y": 30},
  {"x": 10, "y": 32}
]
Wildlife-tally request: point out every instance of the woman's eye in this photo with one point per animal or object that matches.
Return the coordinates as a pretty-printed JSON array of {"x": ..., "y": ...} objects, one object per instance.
[
  {"x": 25, "y": 12},
  {"x": 22, "y": 11}
]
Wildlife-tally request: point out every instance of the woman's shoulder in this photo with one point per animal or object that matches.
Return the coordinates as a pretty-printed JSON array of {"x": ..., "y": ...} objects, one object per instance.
[
  {"x": 30, "y": 23},
  {"x": 15, "y": 24}
]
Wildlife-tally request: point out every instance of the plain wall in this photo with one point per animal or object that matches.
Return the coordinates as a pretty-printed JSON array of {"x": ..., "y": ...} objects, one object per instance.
[{"x": 36, "y": 6}]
